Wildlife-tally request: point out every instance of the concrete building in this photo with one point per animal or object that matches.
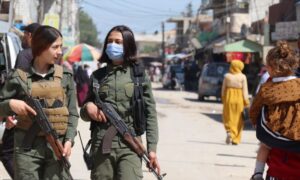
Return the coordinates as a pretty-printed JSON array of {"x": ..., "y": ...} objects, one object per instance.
[
  {"x": 284, "y": 20},
  {"x": 26, "y": 11},
  {"x": 258, "y": 10},
  {"x": 231, "y": 17},
  {"x": 149, "y": 44},
  {"x": 61, "y": 14},
  {"x": 70, "y": 22},
  {"x": 185, "y": 26}
]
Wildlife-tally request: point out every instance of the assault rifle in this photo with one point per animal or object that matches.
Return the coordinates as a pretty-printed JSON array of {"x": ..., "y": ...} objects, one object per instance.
[
  {"x": 51, "y": 136},
  {"x": 115, "y": 119}
]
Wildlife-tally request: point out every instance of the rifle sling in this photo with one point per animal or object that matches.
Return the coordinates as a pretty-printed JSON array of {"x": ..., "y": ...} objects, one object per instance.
[
  {"x": 30, "y": 136},
  {"x": 107, "y": 139}
]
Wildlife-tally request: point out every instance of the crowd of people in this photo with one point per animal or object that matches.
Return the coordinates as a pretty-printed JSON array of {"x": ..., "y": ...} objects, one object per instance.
[
  {"x": 274, "y": 112},
  {"x": 38, "y": 75}
]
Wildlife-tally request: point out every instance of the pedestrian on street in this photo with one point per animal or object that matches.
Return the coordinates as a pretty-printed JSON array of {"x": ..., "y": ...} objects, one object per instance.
[
  {"x": 25, "y": 57},
  {"x": 234, "y": 99},
  {"x": 7, "y": 145},
  {"x": 82, "y": 84},
  {"x": 54, "y": 87},
  {"x": 23, "y": 61},
  {"x": 152, "y": 73},
  {"x": 173, "y": 79},
  {"x": 88, "y": 69},
  {"x": 276, "y": 107},
  {"x": 117, "y": 88},
  {"x": 157, "y": 74},
  {"x": 264, "y": 76}
]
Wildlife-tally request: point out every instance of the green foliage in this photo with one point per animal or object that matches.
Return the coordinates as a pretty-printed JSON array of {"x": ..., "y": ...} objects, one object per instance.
[{"x": 88, "y": 30}]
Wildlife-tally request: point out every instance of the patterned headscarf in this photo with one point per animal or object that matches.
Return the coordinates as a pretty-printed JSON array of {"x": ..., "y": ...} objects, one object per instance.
[{"x": 236, "y": 66}]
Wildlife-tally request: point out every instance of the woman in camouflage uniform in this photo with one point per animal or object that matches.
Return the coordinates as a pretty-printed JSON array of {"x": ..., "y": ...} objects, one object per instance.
[
  {"x": 116, "y": 88},
  {"x": 53, "y": 86}
]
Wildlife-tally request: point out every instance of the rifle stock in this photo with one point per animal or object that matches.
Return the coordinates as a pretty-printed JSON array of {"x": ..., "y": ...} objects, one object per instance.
[{"x": 51, "y": 136}]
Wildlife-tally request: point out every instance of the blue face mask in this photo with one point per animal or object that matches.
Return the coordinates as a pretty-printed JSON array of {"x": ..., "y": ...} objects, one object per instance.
[{"x": 114, "y": 51}]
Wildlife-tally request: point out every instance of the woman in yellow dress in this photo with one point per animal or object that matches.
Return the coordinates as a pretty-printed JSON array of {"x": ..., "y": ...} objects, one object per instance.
[{"x": 234, "y": 98}]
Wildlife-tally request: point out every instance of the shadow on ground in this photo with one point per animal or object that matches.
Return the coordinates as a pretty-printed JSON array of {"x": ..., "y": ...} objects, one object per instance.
[
  {"x": 218, "y": 118},
  {"x": 236, "y": 156},
  {"x": 206, "y": 101},
  {"x": 217, "y": 143},
  {"x": 164, "y": 89}
]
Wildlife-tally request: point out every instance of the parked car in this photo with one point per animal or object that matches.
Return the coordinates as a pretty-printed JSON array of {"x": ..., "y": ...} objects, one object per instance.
[
  {"x": 10, "y": 45},
  {"x": 173, "y": 77},
  {"x": 211, "y": 79}
]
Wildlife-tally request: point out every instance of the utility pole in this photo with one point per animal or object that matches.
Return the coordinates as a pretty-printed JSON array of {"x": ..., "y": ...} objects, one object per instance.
[
  {"x": 197, "y": 23},
  {"x": 227, "y": 23},
  {"x": 11, "y": 13},
  {"x": 41, "y": 11},
  {"x": 61, "y": 15},
  {"x": 163, "y": 40},
  {"x": 266, "y": 30}
]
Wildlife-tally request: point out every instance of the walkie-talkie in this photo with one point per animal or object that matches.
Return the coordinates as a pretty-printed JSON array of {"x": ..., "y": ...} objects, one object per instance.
[{"x": 86, "y": 156}]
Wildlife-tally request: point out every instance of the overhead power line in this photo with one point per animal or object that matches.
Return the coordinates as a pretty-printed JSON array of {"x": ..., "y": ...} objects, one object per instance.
[
  {"x": 120, "y": 13},
  {"x": 139, "y": 7}
]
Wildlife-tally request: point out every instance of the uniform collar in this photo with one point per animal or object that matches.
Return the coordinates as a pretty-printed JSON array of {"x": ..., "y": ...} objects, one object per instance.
[
  {"x": 32, "y": 71},
  {"x": 114, "y": 68}
]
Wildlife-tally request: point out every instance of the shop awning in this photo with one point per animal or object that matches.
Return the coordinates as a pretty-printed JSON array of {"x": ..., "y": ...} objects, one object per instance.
[{"x": 240, "y": 46}]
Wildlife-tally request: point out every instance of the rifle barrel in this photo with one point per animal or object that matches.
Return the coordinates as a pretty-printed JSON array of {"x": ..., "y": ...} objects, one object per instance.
[
  {"x": 147, "y": 161},
  {"x": 51, "y": 135}
]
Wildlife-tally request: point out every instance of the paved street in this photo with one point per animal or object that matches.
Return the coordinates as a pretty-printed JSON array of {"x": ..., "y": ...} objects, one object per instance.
[{"x": 192, "y": 142}]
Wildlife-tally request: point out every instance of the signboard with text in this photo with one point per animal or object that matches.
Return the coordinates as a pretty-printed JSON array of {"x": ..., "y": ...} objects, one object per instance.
[{"x": 285, "y": 31}]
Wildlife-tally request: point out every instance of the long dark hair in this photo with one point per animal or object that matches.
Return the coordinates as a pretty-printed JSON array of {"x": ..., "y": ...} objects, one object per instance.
[
  {"x": 42, "y": 39},
  {"x": 129, "y": 45}
]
